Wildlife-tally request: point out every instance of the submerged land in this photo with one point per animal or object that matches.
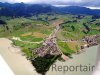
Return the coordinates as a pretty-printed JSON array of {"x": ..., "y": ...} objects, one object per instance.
[
  {"x": 13, "y": 57},
  {"x": 46, "y": 37}
]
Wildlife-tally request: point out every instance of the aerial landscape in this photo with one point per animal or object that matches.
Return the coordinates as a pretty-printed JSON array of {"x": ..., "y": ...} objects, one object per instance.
[{"x": 46, "y": 33}]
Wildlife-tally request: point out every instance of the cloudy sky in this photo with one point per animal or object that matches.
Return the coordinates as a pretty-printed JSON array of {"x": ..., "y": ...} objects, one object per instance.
[{"x": 87, "y": 3}]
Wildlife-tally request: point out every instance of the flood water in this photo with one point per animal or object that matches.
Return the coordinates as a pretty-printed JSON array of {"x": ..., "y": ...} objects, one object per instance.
[{"x": 87, "y": 58}]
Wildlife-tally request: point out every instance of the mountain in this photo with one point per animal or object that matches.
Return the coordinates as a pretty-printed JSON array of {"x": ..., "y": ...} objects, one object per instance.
[
  {"x": 77, "y": 10},
  {"x": 21, "y": 9}
]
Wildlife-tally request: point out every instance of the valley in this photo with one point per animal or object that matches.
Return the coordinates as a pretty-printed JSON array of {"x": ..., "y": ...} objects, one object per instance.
[{"x": 44, "y": 38}]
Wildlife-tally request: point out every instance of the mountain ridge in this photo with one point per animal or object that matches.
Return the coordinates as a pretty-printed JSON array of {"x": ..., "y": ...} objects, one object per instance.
[{"x": 21, "y": 9}]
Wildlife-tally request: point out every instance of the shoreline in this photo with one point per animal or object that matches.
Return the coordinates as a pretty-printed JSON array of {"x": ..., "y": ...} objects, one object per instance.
[
  {"x": 18, "y": 63},
  {"x": 10, "y": 54},
  {"x": 85, "y": 58}
]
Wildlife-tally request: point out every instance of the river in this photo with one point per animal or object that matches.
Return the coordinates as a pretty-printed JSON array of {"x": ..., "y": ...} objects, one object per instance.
[
  {"x": 21, "y": 66},
  {"x": 16, "y": 62},
  {"x": 87, "y": 58}
]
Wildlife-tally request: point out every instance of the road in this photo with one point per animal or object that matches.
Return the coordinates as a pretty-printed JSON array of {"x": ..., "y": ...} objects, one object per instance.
[{"x": 49, "y": 45}]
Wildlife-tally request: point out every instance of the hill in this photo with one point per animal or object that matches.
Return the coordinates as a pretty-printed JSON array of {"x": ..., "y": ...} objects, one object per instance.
[{"x": 21, "y": 9}]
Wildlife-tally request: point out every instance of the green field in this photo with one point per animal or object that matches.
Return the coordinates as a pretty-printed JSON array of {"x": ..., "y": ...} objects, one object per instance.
[
  {"x": 37, "y": 28},
  {"x": 65, "y": 48},
  {"x": 26, "y": 47}
]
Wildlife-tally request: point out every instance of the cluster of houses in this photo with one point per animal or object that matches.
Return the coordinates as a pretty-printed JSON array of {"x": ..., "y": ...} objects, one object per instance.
[
  {"x": 91, "y": 41},
  {"x": 48, "y": 48},
  {"x": 49, "y": 45}
]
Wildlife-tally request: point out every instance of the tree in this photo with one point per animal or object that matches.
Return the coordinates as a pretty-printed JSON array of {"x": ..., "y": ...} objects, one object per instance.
[
  {"x": 2, "y": 22},
  {"x": 73, "y": 28},
  {"x": 86, "y": 27}
]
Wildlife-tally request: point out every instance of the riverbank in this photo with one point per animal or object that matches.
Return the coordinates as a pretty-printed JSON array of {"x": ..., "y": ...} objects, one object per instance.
[
  {"x": 87, "y": 58},
  {"x": 18, "y": 63},
  {"x": 21, "y": 66}
]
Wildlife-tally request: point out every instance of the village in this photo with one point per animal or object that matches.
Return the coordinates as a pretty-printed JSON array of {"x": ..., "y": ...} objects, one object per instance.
[
  {"x": 91, "y": 41},
  {"x": 50, "y": 46}
]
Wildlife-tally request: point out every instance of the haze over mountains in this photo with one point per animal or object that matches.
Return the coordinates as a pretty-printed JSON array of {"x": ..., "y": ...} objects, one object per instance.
[{"x": 21, "y": 9}]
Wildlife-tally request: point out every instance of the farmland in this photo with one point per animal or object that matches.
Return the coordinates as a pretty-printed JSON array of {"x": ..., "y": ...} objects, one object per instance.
[{"x": 47, "y": 37}]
